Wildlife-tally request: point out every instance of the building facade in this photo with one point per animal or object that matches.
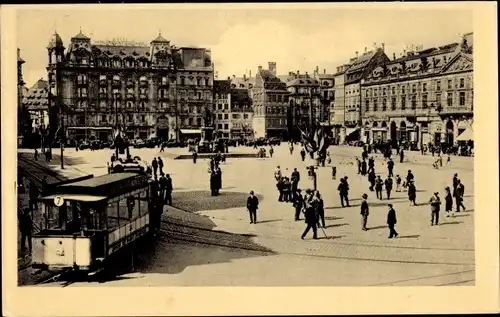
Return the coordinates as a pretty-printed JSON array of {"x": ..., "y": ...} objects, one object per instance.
[
  {"x": 338, "y": 107},
  {"x": 270, "y": 104},
  {"x": 23, "y": 122},
  {"x": 424, "y": 97},
  {"x": 144, "y": 90},
  {"x": 360, "y": 67},
  {"x": 306, "y": 109},
  {"x": 241, "y": 114},
  {"x": 36, "y": 101},
  {"x": 222, "y": 107}
]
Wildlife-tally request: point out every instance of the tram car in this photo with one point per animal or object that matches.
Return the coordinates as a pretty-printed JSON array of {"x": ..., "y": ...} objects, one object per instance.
[{"x": 87, "y": 221}]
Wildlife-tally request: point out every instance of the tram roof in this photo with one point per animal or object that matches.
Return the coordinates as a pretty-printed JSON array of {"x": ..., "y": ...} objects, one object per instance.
[
  {"x": 102, "y": 180},
  {"x": 109, "y": 185}
]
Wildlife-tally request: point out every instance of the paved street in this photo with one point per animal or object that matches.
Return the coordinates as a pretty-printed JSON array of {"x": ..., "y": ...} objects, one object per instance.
[{"x": 421, "y": 255}]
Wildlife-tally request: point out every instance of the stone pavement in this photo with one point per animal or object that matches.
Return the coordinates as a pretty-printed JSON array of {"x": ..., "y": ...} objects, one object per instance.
[{"x": 421, "y": 252}]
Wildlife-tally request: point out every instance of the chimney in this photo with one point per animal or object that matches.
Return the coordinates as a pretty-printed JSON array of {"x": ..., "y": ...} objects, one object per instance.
[
  {"x": 298, "y": 73},
  {"x": 375, "y": 45},
  {"x": 244, "y": 76},
  {"x": 317, "y": 69},
  {"x": 272, "y": 67},
  {"x": 324, "y": 70},
  {"x": 383, "y": 47},
  {"x": 356, "y": 54},
  {"x": 260, "y": 68},
  {"x": 366, "y": 49},
  {"x": 234, "y": 76},
  {"x": 307, "y": 74},
  {"x": 250, "y": 73},
  {"x": 393, "y": 56},
  {"x": 228, "y": 77}
]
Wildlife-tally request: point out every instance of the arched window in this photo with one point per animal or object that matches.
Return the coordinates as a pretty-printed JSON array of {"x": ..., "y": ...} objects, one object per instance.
[
  {"x": 414, "y": 102},
  {"x": 375, "y": 124},
  {"x": 384, "y": 124},
  {"x": 384, "y": 104},
  {"x": 183, "y": 81},
  {"x": 367, "y": 105}
]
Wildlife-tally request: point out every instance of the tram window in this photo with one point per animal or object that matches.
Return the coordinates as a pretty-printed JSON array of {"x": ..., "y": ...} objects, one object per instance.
[
  {"x": 112, "y": 211},
  {"x": 94, "y": 219},
  {"x": 51, "y": 216},
  {"x": 143, "y": 201},
  {"x": 133, "y": 206},
  {"x": 123, "y": 209}
]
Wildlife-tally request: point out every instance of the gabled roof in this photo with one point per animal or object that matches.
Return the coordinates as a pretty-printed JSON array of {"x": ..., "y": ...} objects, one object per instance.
[
  {"x": 361, "y": 61},
  {"x": 40, "y": 84},
  {"x": 445, "y": 49},
  {"x": 222, "y": 86},
  {"x": 454, "y": 64},
  {"x": 123, "y": 51},
  {"x": 36, "y": 98},
  {"x": 302, "y": 82},
  {"x": 239, "y": 95}
]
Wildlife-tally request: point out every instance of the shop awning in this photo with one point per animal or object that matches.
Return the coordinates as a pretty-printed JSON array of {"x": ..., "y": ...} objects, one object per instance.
[
  {"x": 190, "y": 131},
  {"x": 350, "y": 131},
  {"x": 467, "y": 135}
]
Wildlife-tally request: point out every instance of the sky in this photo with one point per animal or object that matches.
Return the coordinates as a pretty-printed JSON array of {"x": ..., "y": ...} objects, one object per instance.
[{"x": 243, "y": 38}]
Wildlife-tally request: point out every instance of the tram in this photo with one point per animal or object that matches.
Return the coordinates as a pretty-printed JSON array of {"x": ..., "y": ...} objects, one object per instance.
[{"x": 87, "y": 221}]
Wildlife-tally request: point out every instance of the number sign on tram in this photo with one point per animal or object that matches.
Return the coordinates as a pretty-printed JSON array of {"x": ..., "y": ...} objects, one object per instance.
[{"x": 58, "y": 201}]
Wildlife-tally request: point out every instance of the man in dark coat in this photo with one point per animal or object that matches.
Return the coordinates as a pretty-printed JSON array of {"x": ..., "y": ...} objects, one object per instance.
[
  {"x": 155, "y": 167},
  {"x": 287, "y": 186},
  {"x": 359, "y": 165},
  {"x": 33, "y": 197},
  {"x": 390, "y": 167},
  {"x": 435, "y": 208},
  {"x": 455, "y": 183},
  {"x": 26, "y": 227},
  {"x": 280, "y": 185},
  {"x": 168, "y": 190},
  {"x": 391, "y": 222},
  {"x": 311, "y": 220},
  {"x": 401, "y": 155},
  {"x": 371, "y": 179},
  {"x": 303, "y": 154},
  {"x": 218, "y": 174},
  {"x": 448, "y": 202},
  {"x": 195, "y": 156},
  {"x": 459, "y": 195},
  {"x": 252, "y": 206},
  {"x": 320, "y": 210},
  {"x": 163, "y": 186},
  {"x": 213, "y": 183},
  {"x": 365, "y": 211},
  {"x": 298, "y": 204},
  {"x": 363, "y": 167},
  {"x": 412, "y": 192},
  {"x": 371, "y": 164},
  {"x": 160, "y": 165},
  {"x": 378, "y": 187},
  {"x": 388, "y": 186},
  {"x": 409, "y": 177},
  {"x": 295, "y": 182},
  {"x": 342, "y": 188}
]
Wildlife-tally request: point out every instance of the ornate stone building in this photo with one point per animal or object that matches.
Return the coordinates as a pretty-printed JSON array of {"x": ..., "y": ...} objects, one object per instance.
[
  {"x": 270, "y": 104},
  {"x": 241, "y": 114},
  {"x": 306, "y": 108},
  {"x": 424, "y": 97},
  {"x": 144, "y": 90},
  {"x": 222, "y": 107},
  {"x": 360, "y": 67}
]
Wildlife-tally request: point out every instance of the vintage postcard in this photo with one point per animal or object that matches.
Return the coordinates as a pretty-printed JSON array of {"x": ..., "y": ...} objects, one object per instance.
[{"x": 236, "y": 148}]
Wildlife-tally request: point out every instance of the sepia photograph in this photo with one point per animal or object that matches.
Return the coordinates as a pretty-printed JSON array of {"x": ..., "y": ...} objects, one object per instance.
[{"x": 261, "y": 146}]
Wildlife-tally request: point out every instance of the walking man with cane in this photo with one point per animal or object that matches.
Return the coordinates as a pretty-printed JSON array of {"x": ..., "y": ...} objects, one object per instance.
[{"x": 252, "y": 206}]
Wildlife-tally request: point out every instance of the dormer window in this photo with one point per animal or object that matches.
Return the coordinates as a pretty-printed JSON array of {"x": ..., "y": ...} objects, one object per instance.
[
  {"x": 117, "y": 63},
  {"x": 116, "y": 80},
  {"x": 143, "y": 81},
  {"x": 102, "y": 80},
  {"x": 164, "y": 81}
]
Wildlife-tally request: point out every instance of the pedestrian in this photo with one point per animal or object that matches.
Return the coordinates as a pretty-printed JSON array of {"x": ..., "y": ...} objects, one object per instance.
[
  {"x": 409, "y": 177},
  {"x": 364, "y": 212},
  {"x": 160, "y": 165},
  {"x": 291, "y": 148},
  {"x": 398, "y": 183},
  {"x": 359, "y": 165},
  {"x": 168, "y": 190},
  {"x": 271, "y": 151},
  {"x": 295, "y": 182},
  {"x": 363, "y": 167},
  {"x": 320, "y": 210},
  {"x": 448, "y": 202},
  {"x": 371, "y": 179},
  {"x": 26, "y": 227},
  {"x": 277, "y": 173},
  {"x": 459, "y": 195},
  {"x": 36, "y": 154},
  {"x": 379, "y": 183},
  {"x": 371, "y": 164},
  {"x": 213, "y": 183},
  {"x": 401, "y": 155},
  {"x": 412, "y": 192},
  {"x": 391, "y": 222},
  {"x": 334, "y": 172},
  {"x": 195, "y": 156},
  {"x": 287, "y": 186},
  {"x": 252, "y": 206},
  {"x": 45, "y": 185},
  {"x": 218, "y": 175},
  {"x": 298, "y": 204},
  {"x": 155, "y": 168},
  {"x": 455, "y": 184},
  {"x": 310, "y": 216},
  {"x": 303, "y": 154},
  {"x": 342, "y": 188},
  {"x": 163, "y": 186},
  {"x": 33, "y": 197},
  {"x": 390, "y": 167},
  {"x": 435, "y": 208},
  {"x": 388, "y": 186}
]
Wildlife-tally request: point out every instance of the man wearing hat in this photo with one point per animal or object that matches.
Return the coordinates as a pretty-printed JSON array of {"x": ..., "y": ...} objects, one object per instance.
[
  {"x": 448, "y": 202},
  {"x": 435, "y": 207},
  {"x": 298, "y": 204},
  {"x": 391, "y": 222},
  {"x": 364, "y": 212},
  {"x": 252, "y": 206},
  {"x": 310, "y": 214},
  {"x": 412, "y": 193}
]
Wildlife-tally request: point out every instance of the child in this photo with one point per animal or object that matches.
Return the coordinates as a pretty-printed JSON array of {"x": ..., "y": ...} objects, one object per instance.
[
  {"x": 398, "y": 183},
  {"x": 334, "y": 172}
]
